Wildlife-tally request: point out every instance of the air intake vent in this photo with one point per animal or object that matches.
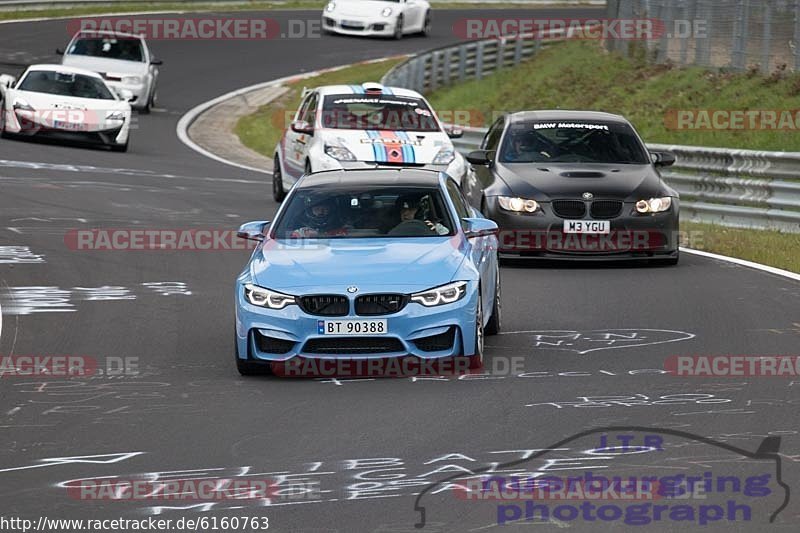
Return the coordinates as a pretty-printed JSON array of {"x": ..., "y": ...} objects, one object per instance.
[{"x": 582, "y": 174}]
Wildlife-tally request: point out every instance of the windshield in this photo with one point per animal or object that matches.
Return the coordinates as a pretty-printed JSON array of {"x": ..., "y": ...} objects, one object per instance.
[
  {"x": 377, "y": 112},
  {"x": 364, "y": 212},
  {"x": 65, "y": 84},
  {"x": 572, "y": 142},
  {"x": 109, "y": 47}
]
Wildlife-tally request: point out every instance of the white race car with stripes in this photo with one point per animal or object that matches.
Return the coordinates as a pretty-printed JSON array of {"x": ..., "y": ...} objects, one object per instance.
[{"x": 361, "y": 126}]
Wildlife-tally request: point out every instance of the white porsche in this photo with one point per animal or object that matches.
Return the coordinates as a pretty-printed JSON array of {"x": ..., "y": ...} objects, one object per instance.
[
  {"x": 59, "y": 102},
  {"x": 379, "y": 18},
  {"x": 363, "y": 126}
]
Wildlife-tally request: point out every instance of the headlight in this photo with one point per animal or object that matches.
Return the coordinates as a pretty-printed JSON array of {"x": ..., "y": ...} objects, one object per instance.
[
  {"x": 444, "y": 157},
  {"x": 446, "y": 294},
  {"x": 266, "y": 298},
  {"x": 115, "y": 115},
  {"x": 19, "y": 103},
  {"x": 387, "y": 11},
  {"x": 339, "y": 152},
  {"x": 131, "y": 80},
  {"x": 330, "y": 7},
  {"x": 518, "y": 205},
  {"x": 654, "y": 205}
]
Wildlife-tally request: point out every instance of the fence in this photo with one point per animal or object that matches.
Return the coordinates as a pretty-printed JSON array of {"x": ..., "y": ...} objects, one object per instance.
[{"x": 737, "y": 34}]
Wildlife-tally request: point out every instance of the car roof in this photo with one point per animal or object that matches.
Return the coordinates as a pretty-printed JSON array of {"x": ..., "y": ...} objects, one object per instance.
[
  {"x": 360, "y": 89},
  {"x": 561, "y": 114},
  {"x": 413, "y": 177},
  {"x": 63, "y": 68},
  {"x": 90, "y": 33}
]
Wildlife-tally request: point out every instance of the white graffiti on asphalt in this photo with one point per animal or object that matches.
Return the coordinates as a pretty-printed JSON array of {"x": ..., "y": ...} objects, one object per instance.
[
  {"x": 19, "y": 255},
  {"x": 635, "y": 400},
  {"x": 600, "y": 339}
]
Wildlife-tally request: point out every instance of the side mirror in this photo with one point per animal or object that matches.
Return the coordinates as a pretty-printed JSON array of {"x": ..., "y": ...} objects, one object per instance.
[
  {"x": 59, "y": 52},
  {"x": 252, "y": 231},
  {"x": 455, "y": 133},
  {"x": 156, "y": 62},
  {"x": 301, "y": 126},
  {"x": 480, "y": 157},
  {"x": 6, "y": 81},
  {"x": 480, "y": 227},
  {"x": 125, "y": 94},
  {"x": 662, "y": 159}
]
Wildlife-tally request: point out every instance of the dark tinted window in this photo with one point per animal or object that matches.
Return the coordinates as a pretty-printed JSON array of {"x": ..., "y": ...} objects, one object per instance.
[
  {"x": 364, "y": 212},
  {"x": 109, "y": 48},
  {"x": 572, "y": 142},
  {"x": 492, "y": 138},
  {"x": 65, "y": 84}
]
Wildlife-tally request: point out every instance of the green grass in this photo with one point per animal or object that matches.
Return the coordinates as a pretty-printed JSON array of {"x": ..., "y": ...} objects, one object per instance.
[
  {"x": 262, "y": 130},
  {"x": 582, "y": 75},
  {"x": 245, "y": 5},
  {"x": 773, "y": 248}
]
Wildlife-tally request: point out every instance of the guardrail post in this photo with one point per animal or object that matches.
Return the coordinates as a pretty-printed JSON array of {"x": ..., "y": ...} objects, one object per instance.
[
  {"x": 739, "y": 45},
  {"x": 703, "y": 42},
  {"x": 479, "y": 60},
  {"x": 433, "y": 79},
  {"x": 419, "y": 74},
  {"x": 462, "y": 63},
  {"x": 501, "y": 52},
  {"x": 448, "y": 64},
  {"x": 518, "y": 48}
]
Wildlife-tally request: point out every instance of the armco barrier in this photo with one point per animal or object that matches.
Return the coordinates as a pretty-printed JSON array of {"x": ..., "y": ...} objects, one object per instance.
[{"x": 738, "y": 188}]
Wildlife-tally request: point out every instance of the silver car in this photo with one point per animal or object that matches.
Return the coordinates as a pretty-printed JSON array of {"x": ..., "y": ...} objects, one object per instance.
[{"x": 123, "y": 60}]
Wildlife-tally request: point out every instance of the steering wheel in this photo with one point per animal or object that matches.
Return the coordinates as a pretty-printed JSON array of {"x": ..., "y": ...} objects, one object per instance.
[{"x": 411, "y": 227}]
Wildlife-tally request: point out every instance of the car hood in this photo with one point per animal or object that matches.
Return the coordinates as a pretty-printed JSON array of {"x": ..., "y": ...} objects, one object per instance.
[
  {"x": 364, "y": 8},
  {"x": 543, "y": 182},
  {"x": 389, "y": 146},
  {"x": 409, "y": 264},
  {"x": 105, "y": 65}
]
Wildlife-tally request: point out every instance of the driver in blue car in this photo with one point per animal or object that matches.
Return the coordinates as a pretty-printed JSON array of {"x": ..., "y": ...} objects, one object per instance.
[{"x": 319, "y": 220}]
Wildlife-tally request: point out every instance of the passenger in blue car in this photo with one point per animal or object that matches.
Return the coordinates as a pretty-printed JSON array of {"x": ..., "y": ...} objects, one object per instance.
[{"x": 409, "y": 207}]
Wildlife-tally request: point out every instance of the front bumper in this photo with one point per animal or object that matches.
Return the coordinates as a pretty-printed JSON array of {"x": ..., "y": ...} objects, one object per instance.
[
  {"x": 139, "y": 90},
  {"x": 28, "y": 124},
  {"x": 542, "y": 235},
  {"x": 357, "y": 25},
  {"x": 423, "y": 332}
]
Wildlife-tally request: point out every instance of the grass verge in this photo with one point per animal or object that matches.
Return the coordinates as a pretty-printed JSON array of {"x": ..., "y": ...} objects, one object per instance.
[
  {"x": 261, "y": 130},
  {"x": 582, "y": 75},
  {"x": 773, "y": 248}
]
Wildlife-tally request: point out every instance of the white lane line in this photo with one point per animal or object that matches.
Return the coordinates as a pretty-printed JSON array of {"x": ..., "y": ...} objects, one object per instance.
[
  {"x": 186, "y": 120},
  {"x": 745, "y": 263}
]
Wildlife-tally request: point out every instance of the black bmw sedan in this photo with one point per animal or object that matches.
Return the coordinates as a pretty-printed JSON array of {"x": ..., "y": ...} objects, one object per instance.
[{"x": 574, "y": 185}]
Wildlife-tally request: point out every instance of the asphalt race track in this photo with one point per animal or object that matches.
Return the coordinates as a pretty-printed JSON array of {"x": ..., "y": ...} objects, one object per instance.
[{"x": 571, "y": 334}]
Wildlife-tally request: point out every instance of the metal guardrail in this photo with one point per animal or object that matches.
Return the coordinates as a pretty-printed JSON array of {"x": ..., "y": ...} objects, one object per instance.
[{"x": 737, "y": 188}]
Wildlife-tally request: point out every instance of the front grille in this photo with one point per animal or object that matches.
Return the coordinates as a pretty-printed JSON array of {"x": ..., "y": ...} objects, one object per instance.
[
  {"x": 325, "y": 304},
  {"x": 606, "y": 208},
  {"x": 435, "y": 343},
  {"x": 380, "y": 304},
  {"x": 569, "y": 208},
  {"x": 352, "y": 26},
  {"x": 353, "y": 345},
  {"x": 273, "y": 345}
]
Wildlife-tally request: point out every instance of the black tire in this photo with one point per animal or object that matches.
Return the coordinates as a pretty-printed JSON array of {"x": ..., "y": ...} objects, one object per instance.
[
  {"x": 278, "y": 194},
  {"x": 249, "y": 368},
  {"x": 3, "y": 133},
  {"x": 495, "y": 321},
  {"x": 667, "y": 261},
  {"x": 475, "y": 362},
  {"x": 427, "y": 25},
  {"x": 147, "y": 106},
  {"x": 398, "y": 29},
  {"x": 120, "y": 147}
]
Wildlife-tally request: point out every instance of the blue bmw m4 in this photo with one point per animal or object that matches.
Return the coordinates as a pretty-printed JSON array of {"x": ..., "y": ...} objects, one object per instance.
[{"x": 365, "y": 265}]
